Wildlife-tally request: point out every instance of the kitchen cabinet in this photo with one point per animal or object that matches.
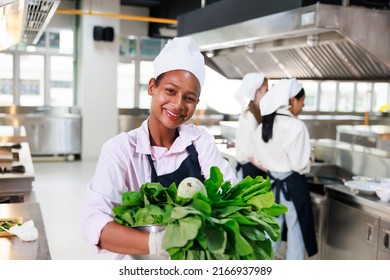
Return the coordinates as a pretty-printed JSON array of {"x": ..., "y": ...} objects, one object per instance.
[
  {"x": 384, "y": 240},
  {"x": 357, "y": 226},
  {"x": 52, "y": 135},
  {"x": 352, "y": 234},
  {"x": 319, "y": 211}
]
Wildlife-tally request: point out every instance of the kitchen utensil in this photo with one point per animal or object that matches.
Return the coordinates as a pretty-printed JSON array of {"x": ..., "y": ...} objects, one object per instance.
[
  {"x": 363, "y": 187},
  {"x": 149, "y": 228}
]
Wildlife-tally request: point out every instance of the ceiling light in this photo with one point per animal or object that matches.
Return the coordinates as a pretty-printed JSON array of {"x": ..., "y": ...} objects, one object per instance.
[
  {"x": 209, "y": 53},
  {"x": 250, "y": 48}
]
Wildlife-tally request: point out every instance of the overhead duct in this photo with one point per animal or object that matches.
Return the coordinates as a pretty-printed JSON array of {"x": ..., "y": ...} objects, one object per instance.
[
  {"x": 316, "y": 42},
  {"x": 39, "y": 14}
]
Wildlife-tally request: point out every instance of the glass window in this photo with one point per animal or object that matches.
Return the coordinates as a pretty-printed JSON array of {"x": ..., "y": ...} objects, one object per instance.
[
  {"x": 311, "y": 95},
  {"x": 328, "y": 96},
  {"x": 151, "y": 47},
  {"x": 128, "y": 47},
  {"x": 31, "y": 80},
  {"x": 54, "y": 40},
  {"x": 61, "y": 81},
  {"x": 126, "y": 85},
  {"x": 66, "y": 42},
  {"x": 6, "y": 76},
  {"x": 146, "y": 69},
  {"x": 380, "y": 95},
  {"x": 345, "y": 97},
  {"x": 363, "y": 97},
  {"x": 218, "y": 93}
]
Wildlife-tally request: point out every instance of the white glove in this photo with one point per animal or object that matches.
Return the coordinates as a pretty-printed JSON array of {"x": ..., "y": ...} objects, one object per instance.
[{"x": 155, "y": 244}]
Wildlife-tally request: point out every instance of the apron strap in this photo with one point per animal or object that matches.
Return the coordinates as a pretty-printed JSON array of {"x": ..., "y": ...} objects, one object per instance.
[
  {"x": 154, "y": 173},
  {"x": 281, "y": 186}
]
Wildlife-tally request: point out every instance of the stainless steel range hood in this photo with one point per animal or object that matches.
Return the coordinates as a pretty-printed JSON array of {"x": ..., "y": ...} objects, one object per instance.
[{"x": 319, "y": 42}]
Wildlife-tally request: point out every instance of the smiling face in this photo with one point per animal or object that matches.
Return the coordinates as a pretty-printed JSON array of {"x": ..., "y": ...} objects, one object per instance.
[{"x": 174, "y": 98}]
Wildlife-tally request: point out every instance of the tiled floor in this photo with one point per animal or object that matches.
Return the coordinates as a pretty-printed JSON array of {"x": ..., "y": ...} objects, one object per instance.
[{"x": 59, "y": 188}]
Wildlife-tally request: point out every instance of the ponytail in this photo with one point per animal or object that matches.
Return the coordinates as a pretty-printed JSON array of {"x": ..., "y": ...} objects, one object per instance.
[{"x": 268, "y": 125}]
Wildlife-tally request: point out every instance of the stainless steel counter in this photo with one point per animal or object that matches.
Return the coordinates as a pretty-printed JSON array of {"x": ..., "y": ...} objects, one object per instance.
[
  {"x": 10, "y": 133},
  {"x": 13, "y": 248},
  {"x": 18, "y": 184},
  {"x": 366, "y": 202}
]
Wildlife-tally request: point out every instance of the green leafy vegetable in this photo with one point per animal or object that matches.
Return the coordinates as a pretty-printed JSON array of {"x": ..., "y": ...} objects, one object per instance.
[{"x": 229, "y": 223}]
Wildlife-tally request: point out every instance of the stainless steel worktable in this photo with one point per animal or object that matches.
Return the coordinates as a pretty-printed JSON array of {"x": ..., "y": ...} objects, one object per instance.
[
  {"x": 13, "y": 248},
  {"x": 368, "y": 202}
]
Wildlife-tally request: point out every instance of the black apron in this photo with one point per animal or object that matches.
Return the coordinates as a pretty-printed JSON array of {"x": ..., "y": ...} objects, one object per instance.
[
  {"x": 296, "y": 189},
  {"x": 189, "y": 168},
  {"x": 248, "y": 169}
]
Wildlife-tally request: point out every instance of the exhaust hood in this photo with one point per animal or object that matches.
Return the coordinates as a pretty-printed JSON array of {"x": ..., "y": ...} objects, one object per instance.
[{"x": 316, "y": 42}]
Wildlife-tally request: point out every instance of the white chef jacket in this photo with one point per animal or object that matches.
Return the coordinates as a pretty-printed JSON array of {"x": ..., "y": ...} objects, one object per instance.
[
  {"x": 123, "y": 166},
  {"x": 288, "y": 149},
  {"x": 247, "y": 125}
]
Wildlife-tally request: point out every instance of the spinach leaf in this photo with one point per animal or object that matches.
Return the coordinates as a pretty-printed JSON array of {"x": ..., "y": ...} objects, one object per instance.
[{"x": 180, "y": 231}]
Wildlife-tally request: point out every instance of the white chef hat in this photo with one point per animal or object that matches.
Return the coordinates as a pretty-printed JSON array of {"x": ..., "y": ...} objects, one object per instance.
[
  {"x": 295, "y": 87},
  {"x": 278, "y": 96},
  {"x": 181, "y": 53},
  {"x": 250, "y": 83}
]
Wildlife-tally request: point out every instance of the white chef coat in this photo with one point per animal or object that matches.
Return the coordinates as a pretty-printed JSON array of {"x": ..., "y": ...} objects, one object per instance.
[
  {"x": 288, "y": 149},
  {"x": 123, "y": 166},
  {"x": 247, "y": 125}
]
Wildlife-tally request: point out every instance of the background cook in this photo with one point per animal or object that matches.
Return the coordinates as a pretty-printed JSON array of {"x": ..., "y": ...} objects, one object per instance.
[
  {"x": 283, "y": 148},
  {"x": 253, "y": 87}
]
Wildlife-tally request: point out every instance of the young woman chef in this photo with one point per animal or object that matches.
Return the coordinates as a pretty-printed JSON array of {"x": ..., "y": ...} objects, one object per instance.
[
  {"x": 253, "y": 87},
  {"x": 283, "y": 148},
  {"x": 161, "y": 150}
]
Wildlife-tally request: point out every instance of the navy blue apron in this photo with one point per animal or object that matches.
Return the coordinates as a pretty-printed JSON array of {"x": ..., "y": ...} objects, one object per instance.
[
  {"x": 296, "y": 189},
  {"x": 249, "y": 169},
  {"x": 189, "y": 168}
]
